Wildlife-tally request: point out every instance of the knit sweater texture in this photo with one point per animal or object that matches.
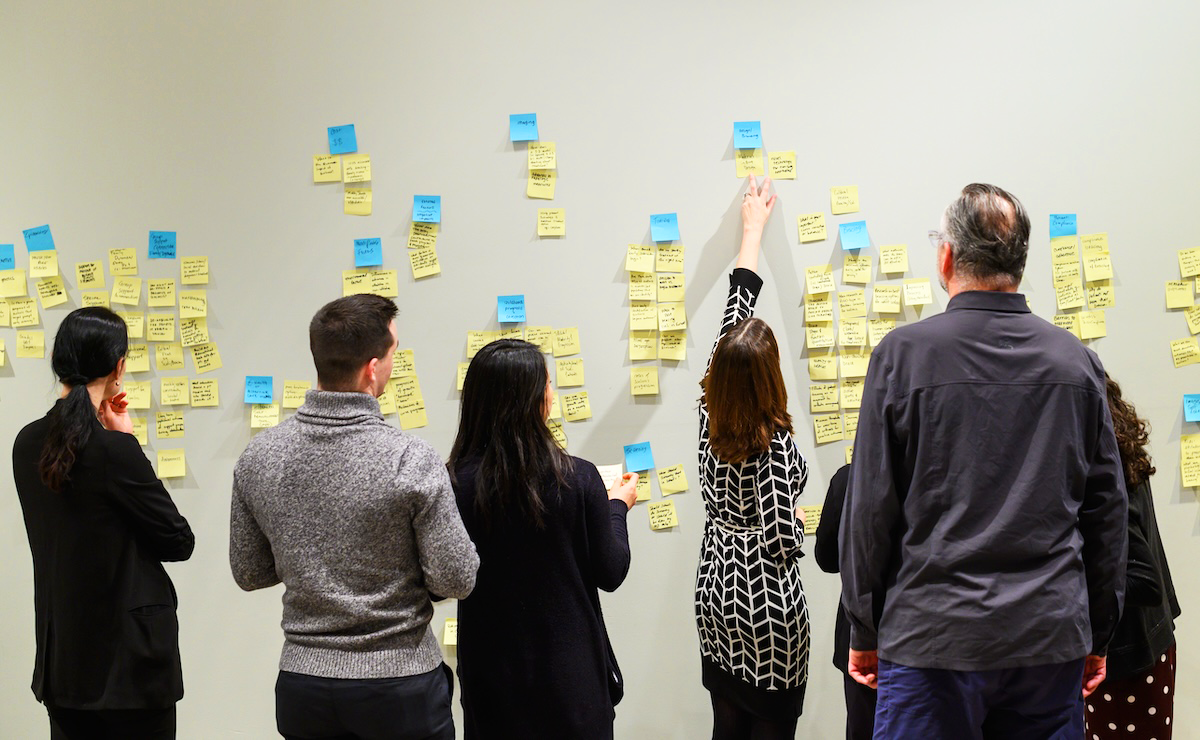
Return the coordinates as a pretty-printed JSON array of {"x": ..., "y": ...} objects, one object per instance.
[{"x": 357, "y": 519}]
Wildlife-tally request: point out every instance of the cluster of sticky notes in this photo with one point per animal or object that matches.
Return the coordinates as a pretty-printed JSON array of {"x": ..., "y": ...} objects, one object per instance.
[
  {"x": 639, "y": 458},
  {"x": 402, "y": 393},
  {"x": 542, "y": 158},
  {"x": 748, "y": 154},
  {"x": 1082, "y": 271},
  {"x": 365, "y": 280},
  {"x": 657, "y": 311},
  {"x": 345, "y": 164},
  {"x": 1181, "y": 294}
]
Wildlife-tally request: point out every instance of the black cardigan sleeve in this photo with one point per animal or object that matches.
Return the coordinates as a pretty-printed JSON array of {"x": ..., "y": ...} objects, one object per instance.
[{"x": 826, "y": 549}]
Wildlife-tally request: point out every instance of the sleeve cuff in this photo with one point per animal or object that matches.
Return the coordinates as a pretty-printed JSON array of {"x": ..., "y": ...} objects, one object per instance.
[
  {"x": 617, "y": 506},
  {"x": 859, "y": 641},
  {"x": 747, "y": 279}
]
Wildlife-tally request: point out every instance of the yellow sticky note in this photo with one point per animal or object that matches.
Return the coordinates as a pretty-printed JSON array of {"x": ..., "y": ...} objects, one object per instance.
[
  {"x": 542, "y": 336},
  {"x": 403, "y": 363},
  {"x": 424, "y": 262},
  {"x": 886, "y": 299},
  {"x": 135, "y": 323},
  {"x": 852, "y": 332},
  {"x": 462, "y": 375},
  {"x": 1192, "y": 315},
  {"x": 670, "y": 288},
  {"x": 160, "y": 293},
  {"x": 1094, "y": 243},
  {"x": 893, "y": 258},
  {"x": 5, "y": 313},
  {"x": 161, "y": 328},
  {"x": 566, "y": 342},
  {"x": 542, "y": 155},
  {"x": 639, "y": 258},
  {"x": 576, "y": 407},
  {"x": 559, "y": 434},
  {"x": 293, "y": 393},
  {"x": 541, "y": 184},
  {"x": 422, "y": 235},
  {"x": 1092, "y": 325},
  {"x": 206, "y": 357},
  {"x": 168, "y": 424},
  {"x": 3, "y": 356},
  {"x": 1097, "y": 266},
  {"x": 137, "y": 359},
  {"x": 1189, "y": 459},
  {"x": 819, "y": 279},
  {"x": 642, "y": 286},
  {"x": 552, "y": 222},
  {"x": 672, "y": 345},
  {"x": 477, "y": 339},
  {"x": 819, "y": 335},
  {"x": 383, "y": 282},
  {"x": 818, "y": 308},
  {"x": 749, "y": 162},
  {"x": 671, "y": 317},
  {"x": 450, "y": 632},
  {"x": 852, "y": 392},
  {"x": 89, "y": 275},
  {"x": 355, "y": 282},
  {"x": 172, "y": 464},
  {"x": 1066, "y": 272},
  {"x": 662, "y": 515},
  {"x": 854, "y": 364},
  {"x": 327, "y": 168},
  {"x": 122, "y": 261},
  {"x": 387, "y": 399},
  {"x": 141, "y": 430},
  {"x": 642, "y": 490},
  {"x": 828, "y": 428},
  {"x": 843, "y": 199},
  {"x": 812, "y": 517},
  {"x": 856, "y": 269},
  {"x": 823, "y": 366},
  {"x": 823, "y": 397},
  {"x": 1180, "y": 294},
  {"x": 23, "y": 312},
  {"x": 782, "y": 165},
  {"x": 643, "y": 345},
  {"x": 850, "y": 422},
  {"x": 555, "y": 407},
  {"x": 811, "y": 227},
  {"x": 192, "y": 332},
  {"x": 43, "y": 264},
  {"x": 568, "y": 372},
  {"x": 1100, "y": 294},
  {"x": 672, "y": 480},
  {"x": 1068, "y": 321},
  {"x": 127, "y": 291},
  {"x": 643, "y": 316},
  {"x": 193, "y": 271},
  {"x": 643, "y": 381},
  {"x": 357, "y": 202},
  {"x": 12, "y": 284},
  {"x": 669, "y": 258},
  {"x": 89, "y": 298},
  {"x": 51, "y": 291},
  {"x": 1069, "y": 295},
  {"x": 852, "y": 304},
  {"x": 264, "y": 415},
  {"x": 1064, "y": 249},
  {"x": 168, "y": 356},
  {"x": 1185, "y": 352},
  {"x": 205, "y": 392},
  {"x": 356, "y": 167},
  {"x": 31, "y": 344},
  {"x": 918, "y": 292},
  {"x": 410, "y": 404},
  {"x": 193, "y": 304},
  {"x": 1189, "y": 262}
]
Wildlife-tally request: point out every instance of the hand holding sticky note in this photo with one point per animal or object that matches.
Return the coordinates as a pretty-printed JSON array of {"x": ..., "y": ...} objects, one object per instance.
[{"x": 259, "y": 388}]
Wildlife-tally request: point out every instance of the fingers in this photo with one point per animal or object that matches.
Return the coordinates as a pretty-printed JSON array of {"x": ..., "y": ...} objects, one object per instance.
[
  {"x": 753, "y": 184},
  {"x": 765, "y": 186}
]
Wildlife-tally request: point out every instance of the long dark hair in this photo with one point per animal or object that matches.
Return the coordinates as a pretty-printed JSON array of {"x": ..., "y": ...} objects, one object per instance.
[
  {"x": 89, "y": 344},
  {"x": 502, "y": 426},
  {"x": 744, "y": 392},
  {"x": 1133, "y": 434}
]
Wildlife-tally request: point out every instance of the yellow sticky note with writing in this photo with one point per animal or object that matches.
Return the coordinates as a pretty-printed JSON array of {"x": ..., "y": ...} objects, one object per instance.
[
  {"x": 541, "y": 184},
  {"x": 1069, "y": 295},
  {"x": 357, "y": 202},
  {"x": 811, "y": 227},
  {"x": 293, "y": 393},
  {"x": 127, "y": 291},
  {"x": 1068, "y": 321},
  {"x": 566, "y": 342},
  {"x": 542, "y": 336},
  {"x": 662, "y": 515},
  {"x": 670, "y": 287},
  {"x": 193, "y": 271},
  {"x": 12, "y": 284},
  {"x": 422, "y": 235},
  {"x": 843, "y": 199},
  {"x": 852, "y": 332},
  {"x": 5, "y": 313},
  {"x": 1180, "y": 294},
  {"x": 643, "y": 381},
  {"x": 852, "y": 392},
  {"x": 886, "y": 299},
  {"x": 818, "y": 308},
  {"x": 168, "y": 424},
  {"x": 450, "y": 632},
  {"x": 192, "y": 332},
  {"x": 639, "y": 258},
  {"x": 672, "y": 480},
  {"x": 1064, "y": 249},
  {"x": 3, "y": 356},
  {"x": 264, "y": 415},
  {"x": 918, "y": 292},
  {"x": 161, "y": 328},
  {"x": 672, "y": 345},
  {"x": 1092, "y": 325},
  {"x": 856, "y": 269},
  {"x": 576, "y": 406},
  {"x": 89, "y": 275},
  {"x": 174, "y": 391},
  {"x": 424, "y": 263},
  {"x": 356, "y": 167},
  {"x": 852, "y": 304},
  {"x": 812, "y": 517},
  {"x": 1100, "y": 294},
  {"x": 43, "y": 264},
  {"x": 1189, "y": 459},
  {"x": 819, "y": 279},
  {"x": 854, "y": 364},
  {"x": 555, "y": 407},
  {"x": 476, "y": 339},
  {"x": 137, "y": 394},
  {"x": 893, "y": 258},
  {"x": 782, "y": 165},
  {"x": 820, "y": 335},
  {"x": 172, "y": 464},
  {"x": 206, "y": 357},
  {"x": 552, "y": 222},
  {"x": 642, "y": 286},
  {"x": 31, "y": 344},
  {"x": 383, "y": 282},
  {"x": 823, "y": 397},
  {"x": 90, "y": 298},
  {"x": 327, "y": 168},
  {"x": 669, "y": 258},
  {"x": 642, "y": 489},
  {"x": 643, "y": 345},
  {"x": 1185, "y": 352},
  {"x": 205, "y": 392},
  {"x": 671, "y": 317},
  {"x": 193, "y": 304},
  {"x": 168, "y": 356},
  {"x": 822, "y": 366},
  {"x": 1189, "y": 262},
  {"x": 1094, "y": 243},
  {"x": 462, "y": 374},
  {"x": 568, "y": 372},
  {"x": 23, "y": 312},
  {"x": 137, "y": 359},
  {"x": 122, "y": 261},
  {"x": 141, "y": 430},
  {"x": 850, "y": 421},
  {"x": 828, "y": 428},
  {"x": 160, "y": 293},
  {"x": 51, "y": 291},
  {"x": 749, "y": 162},
  {"x": 542, "y": 155},
  {"x": 410, "y": 404},
  {"x": 403, "y": 363},
  {"x": 135, "y": 323},
  {"x": 1097, "y": 266}
]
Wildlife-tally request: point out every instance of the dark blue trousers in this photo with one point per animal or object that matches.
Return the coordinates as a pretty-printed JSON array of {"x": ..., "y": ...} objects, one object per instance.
[{"x": 1035, "y": 703}]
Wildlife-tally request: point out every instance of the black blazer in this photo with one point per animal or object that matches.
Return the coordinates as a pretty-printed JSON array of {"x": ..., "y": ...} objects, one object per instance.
[
  {"x": 826, "y": 551},
  {"x": 107, "y": 635}
]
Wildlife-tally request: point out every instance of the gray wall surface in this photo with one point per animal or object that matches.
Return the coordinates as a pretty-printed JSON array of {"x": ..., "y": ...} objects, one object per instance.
[{"x": 123, "y": 117}]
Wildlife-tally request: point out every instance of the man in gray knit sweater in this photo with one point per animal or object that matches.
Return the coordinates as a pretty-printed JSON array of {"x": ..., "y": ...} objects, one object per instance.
[{"x": 358, "y": 521}]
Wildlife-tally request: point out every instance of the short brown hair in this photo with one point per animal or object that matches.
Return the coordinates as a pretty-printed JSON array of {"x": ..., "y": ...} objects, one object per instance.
[
  {"x": 744, "y": 392},
  {"x": 1133, "y": 434},
  {"x": 348, "y": 333}
]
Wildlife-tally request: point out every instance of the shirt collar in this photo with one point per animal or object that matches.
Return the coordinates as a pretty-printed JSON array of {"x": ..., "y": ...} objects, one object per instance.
[{"x": 989, "y": 300}]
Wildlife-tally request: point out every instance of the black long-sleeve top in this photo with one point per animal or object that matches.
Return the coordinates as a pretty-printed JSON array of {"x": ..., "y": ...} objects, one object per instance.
[{"x": 826, "y": 552}]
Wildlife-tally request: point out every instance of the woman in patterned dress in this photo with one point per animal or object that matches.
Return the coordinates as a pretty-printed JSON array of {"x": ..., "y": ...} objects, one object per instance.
[{"x": 750, "y": 607}]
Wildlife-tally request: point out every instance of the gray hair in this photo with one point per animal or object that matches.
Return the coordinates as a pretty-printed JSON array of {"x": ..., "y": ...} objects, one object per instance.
[{"x": 989, "y": 232}]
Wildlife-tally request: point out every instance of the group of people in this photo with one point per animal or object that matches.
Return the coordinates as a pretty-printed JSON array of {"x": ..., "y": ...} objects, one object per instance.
[{"x": 995, "y": 570}]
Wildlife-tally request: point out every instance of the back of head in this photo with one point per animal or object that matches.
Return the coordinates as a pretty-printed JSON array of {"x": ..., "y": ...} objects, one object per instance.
[
  {"x": 744, "y": 392},
  {"x": 89, "y": 344},
  {"x": 346, "y": 334},
  {"x": 502, "y": 426},
  {"x": 1133, "y": 434},
  {"x": 989, "y": 231}
]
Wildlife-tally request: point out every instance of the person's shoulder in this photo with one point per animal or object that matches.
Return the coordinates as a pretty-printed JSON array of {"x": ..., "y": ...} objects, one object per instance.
[
  {"x": 32, "y": 433},
  {"x": 266, "y": 444}
]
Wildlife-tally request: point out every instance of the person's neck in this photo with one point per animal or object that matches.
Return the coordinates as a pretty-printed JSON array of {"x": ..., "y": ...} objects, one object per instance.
[
  {"x": 95, "y": 390},
  {"x": 956, "y": 285}
]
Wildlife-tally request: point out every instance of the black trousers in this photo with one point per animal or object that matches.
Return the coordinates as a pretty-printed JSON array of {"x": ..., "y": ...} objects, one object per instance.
[
  {"x": 408, "y": 708},
  {"x": 860, "y": 709},
  {"x": 112, "y": 724}
]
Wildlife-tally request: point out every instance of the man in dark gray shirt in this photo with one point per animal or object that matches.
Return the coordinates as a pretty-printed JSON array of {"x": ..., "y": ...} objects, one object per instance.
[{"x": 984, "y": 534}]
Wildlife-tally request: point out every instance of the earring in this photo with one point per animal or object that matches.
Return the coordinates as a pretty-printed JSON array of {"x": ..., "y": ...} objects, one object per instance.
[{"x": 117, "y": 384}]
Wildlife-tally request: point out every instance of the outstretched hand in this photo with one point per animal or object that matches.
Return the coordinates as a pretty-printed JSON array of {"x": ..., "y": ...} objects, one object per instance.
[{"x": 757, "y": 204}]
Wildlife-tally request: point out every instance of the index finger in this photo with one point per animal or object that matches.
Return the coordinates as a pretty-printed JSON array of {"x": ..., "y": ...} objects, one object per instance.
[{"x": 753, "y": 184}]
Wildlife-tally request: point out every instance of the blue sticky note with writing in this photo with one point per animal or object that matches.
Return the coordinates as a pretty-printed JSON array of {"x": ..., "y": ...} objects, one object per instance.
[
  {"x": 522, "y": 127},
  {"x": 342, "y": 139},
  {"x": 1062, "y": 224},
  {"x": 664, "y": 227},
  {"x": 747, "y": 135},
  {"x": 1191, "y": 407},
  {"x": 258, "y": 389},
  {"x": 368, "y": 252},
  {"x": 638, "y": 457},
  {"x": 853, "y": 235},
  {"x": 162, "y": 245},
  {"x": 8, "y": 259},
  {"x": 427, "y": 209},
  {"x": 38, "y": 239},
  {"x": 510, "y": 308}
]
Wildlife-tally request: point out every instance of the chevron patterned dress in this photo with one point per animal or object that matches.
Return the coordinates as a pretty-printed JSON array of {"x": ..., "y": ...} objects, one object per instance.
[{"x": 750, "y": 606}]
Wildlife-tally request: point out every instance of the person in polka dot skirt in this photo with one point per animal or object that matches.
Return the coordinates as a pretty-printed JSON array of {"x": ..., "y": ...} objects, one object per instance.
[{"x": 1137, "y": 697}]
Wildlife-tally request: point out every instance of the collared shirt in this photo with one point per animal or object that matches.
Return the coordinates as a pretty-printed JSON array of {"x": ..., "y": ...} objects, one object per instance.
[{"x": 985, "y": 522}]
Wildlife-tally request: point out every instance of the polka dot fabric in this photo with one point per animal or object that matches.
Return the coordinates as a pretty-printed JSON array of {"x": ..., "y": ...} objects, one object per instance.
[{"x": 1135, "y": 707}]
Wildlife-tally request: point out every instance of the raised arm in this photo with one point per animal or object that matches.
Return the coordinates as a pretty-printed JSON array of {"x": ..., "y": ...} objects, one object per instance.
[{"x": 756, "y": 209}]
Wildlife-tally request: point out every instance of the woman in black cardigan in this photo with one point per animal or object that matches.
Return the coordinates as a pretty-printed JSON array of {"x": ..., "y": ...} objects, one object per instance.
[{"x": 100, "y": 524}]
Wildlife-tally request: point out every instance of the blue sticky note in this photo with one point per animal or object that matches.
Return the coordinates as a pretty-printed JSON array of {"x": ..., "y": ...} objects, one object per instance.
[
  {"x": 342, "y": 139},
  {"x": 1062, "y": 224},
  {"x": 510, "y": 308},
  {"x": 162, "y": 245},
  {"x": 664, "y": 227},
  {"x": 522, "y": 127},
  {"x": 368, "y": 252},
  {"x": 747, "y": 135},
  {"x": 38, "y": 239},
  {"x": 638, "y": 457},
  {"x": 8, "y": 260},
  {"x": 1191, "y": 407},
  {"x": 854, "y": 235},
  {"x": 258, "y": 389},
  {"x": 427, "y": 209}
]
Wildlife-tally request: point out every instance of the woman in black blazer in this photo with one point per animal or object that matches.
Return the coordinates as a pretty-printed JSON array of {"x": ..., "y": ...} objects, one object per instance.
[{"x": 100, "y": 524}]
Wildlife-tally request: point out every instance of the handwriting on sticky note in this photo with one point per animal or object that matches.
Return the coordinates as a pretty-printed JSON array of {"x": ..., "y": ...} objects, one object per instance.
[
  {"x": 122, "y": 261},
  {"x": 812, "y": 517},
  {"x": 843, "y": 199},
  {"x": 823, "y": 397},
  {"x": 671, "y": 317},
  {"x": 852, "y": 304},
  {"x": 357, "y": 201},
  {"x": 264, "y": 415},
  {"x": 639, "y": 457},
  {"x": 168, "y": 424},
  {"x": 259, "y": 389},
  {"x": 427, "y": 209},
  {"x": 356, "y": 168},
  {"x": 204, "y": 392},
  {"x": 893, "y": 258},
  {"x": 569, "y": 372},
  {"x": 172, "y": 464},
  {"x": 672, "y": 345},
  {"x": 162, "y": 245},
  {"x": 1094, "y": 243},
  {"x": 664, "y": 227},
  {"x": 819, "y": 278},
  {"x": 38, "y": 238},
  {"x": 877, "y": 329},
  {"x": 294, "y": 392},
  {"x": 23, "y": 312},
  {"x": 342, "y": 139},
  {"x": 510, "y": 308},
  {"x": 1069, "y": 295},
  {"x": 850, "y": 422},
  {"x": 828, "y": 428},
  {"x": 748, "y": 162},
  {"x": 642, "y": 286},
  {"x": 168, "y": 356},
  {"x": 669, "y": 258},
  {"x": 1180, "y": 294},
  {"x": 8, "y": 257},
  {"x": 852, "y": 332},
  {"x": 424, "y": 263},
  {"x": 643, "y": 345},
  {"x": 639, "y": 258},
  {"x": 854, "y": 364},
  {"x": 541, "y": 184},
  {"x": 551, "y": 222},
  {"x": 137, "y": 358},
  {"x": 43, "y": 264},
  {"x": 856, "y": 269},
  {"x": 782, "y": 165},
  {"x": 818, "y": 308},
  {"x": 542, "y": 156},
  {"x": 1189, "y": 459},
  {"x": 819, "y": 336},
  {"x": 672, "y": 480},
  {"x": 576, "y": 407},
  {"x": 1068, "y": 321},
  {"x": 51, "y": 291},
  {"x": 89, "y": 275},
  {"x": 1191, "y": 407},
  {"x": 194, "y": 271},
  {"x": 886, "y": 299},
  {"x": 1189, "y": 262},
  {"x": 327, "y": 168},
  {"x": 747, "y": 134},
  {"x": 1100, "y": 294},
  {"x": 918, "y": 292},
  {"x": 643, "y": 381},
  {"x": 522, "y": 127},
  {"x": 206, "y": 357},
  {"x": 1062, "y": 224},
  {"x": 670, "y": 288},
  {"x": 1097, "y": 267},
  {"x": 160, "y": 327},
  {"x": 1185, "y": 352},
  {"x": 823, "y": 366},
  {"x": 662, "y": 515},
  {"x": 566, "y": 341},
  {"x": 811, "y": 227},
  {"x": 542, "y": 336},
  {"x": 852, "y": 392}
]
